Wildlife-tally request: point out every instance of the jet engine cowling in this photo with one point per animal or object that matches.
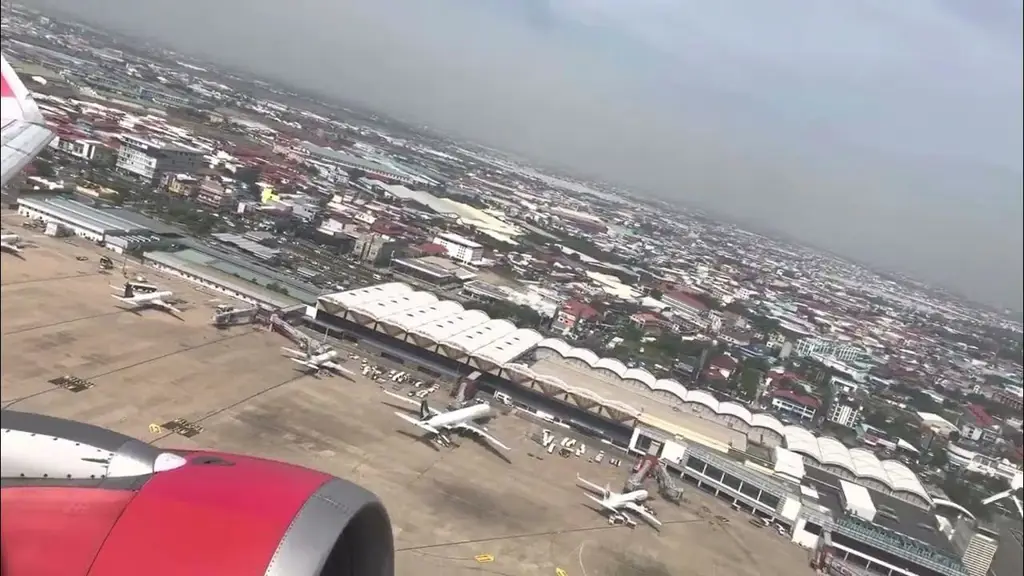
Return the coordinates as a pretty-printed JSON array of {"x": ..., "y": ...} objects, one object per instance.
[{"x": 79, "y": 499}]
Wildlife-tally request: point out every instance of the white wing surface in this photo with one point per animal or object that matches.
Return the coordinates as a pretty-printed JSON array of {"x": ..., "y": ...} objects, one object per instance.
[
  {"x": 24, "y": 133},
  {"x": 588, "y": 485},
  {"x": 483, "y": 434},
  {"x": 642, "y": 512}
]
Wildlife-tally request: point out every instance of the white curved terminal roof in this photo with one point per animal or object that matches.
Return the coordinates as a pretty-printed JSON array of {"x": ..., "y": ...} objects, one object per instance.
[
  {"x": 442, "y": 329},
  {"x": 861, "y": 463},
  {"x": 409, "y": 319},
  {"x": 351, "y": 298},
  {"x": 387, "y": 307},
  {"x": 510, "y": 346},
  {"x": 480, "y": 335},
  {"x": 499, "y": 342}
]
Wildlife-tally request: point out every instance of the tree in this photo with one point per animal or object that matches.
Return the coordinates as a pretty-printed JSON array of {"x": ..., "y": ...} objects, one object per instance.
[
  {"x": 656, "y": 293},
  {"x": 355, "y": 174},
  {"x": 275, "y": 287},
  {"x": 750, "y": 382},
  {"x": 44, "y": 169}
]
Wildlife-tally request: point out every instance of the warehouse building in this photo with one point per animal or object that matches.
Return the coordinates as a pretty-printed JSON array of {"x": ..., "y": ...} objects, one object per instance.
[
  {"x": 233, "y": 275},
  {"x": 106, "y": 227}
]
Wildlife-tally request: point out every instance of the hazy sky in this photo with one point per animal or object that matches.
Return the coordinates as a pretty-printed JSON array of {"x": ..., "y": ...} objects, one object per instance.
[{"x": 890, "y": 131}]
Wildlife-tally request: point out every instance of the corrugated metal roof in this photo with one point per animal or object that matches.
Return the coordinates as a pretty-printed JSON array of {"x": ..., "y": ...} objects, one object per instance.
[
  {"x": 83, "y": 214},
  {"x": 189, "y": 265},
  {"x": 248, "y": 271}
]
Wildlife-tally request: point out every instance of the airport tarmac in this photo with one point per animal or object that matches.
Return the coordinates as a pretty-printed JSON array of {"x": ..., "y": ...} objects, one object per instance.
[{"x": 448, "y": 505}]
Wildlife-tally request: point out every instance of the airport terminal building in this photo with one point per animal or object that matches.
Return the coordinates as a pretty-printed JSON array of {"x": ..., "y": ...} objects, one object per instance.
[{"x": 862, "y": 512}]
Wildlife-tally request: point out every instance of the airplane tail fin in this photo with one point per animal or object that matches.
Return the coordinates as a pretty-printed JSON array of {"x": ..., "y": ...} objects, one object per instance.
[
  {"x": 129, "y": 292},
  {"x": 15, "y": 100},
  {"x": 424, "y": 410}
]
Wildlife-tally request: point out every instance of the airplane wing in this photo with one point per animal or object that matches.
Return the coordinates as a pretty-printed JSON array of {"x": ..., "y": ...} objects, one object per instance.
[
  {"x": 10, "y": 248},
  {"x": 412, "y": 401},
  {"x": 305, "y": 363},
  {"x": 483, "y": 434},
  {"x": 642, "y": 512},
  {"x": 24, "y": 133},
  {"x": 418, "y": 423},
  {"x": 283, "y": 519},
  {"x": 337, "y": 368},
  {"x": 293, "y": 352},
  {"x": 603, "y": 504},
  {"x": 592, "y": 487},
  {"x": 163, "y": 306}
]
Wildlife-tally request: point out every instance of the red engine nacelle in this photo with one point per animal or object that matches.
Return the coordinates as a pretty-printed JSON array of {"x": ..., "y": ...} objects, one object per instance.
[{"x": 212, "y": 513}]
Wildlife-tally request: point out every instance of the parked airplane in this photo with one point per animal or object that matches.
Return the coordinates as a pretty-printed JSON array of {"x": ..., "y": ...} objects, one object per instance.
[
  {"x": 618, "y": 504},
  {"x": 25, "y": 134},
  {"x": 157, "y": 299},
  {"x": 439, "y": 423},
  {"x": 317, "y": 362},
  {"x": 10, "y": 243}
]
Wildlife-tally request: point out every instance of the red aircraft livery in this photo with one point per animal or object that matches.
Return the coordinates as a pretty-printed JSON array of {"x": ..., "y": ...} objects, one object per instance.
[{"x": 130, "y": 509}]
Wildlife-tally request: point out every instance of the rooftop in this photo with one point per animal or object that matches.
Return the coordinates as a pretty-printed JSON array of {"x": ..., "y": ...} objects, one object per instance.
[
  {"x": 98, "y": 219},
  {"x": 241, "y": 267},
  {"x": 912, "y": 521},
  {"x": 459, "y": 239}
]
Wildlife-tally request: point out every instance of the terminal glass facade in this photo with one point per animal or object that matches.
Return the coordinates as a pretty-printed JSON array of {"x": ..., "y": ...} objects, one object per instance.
[{"x": 870, "y": 545}]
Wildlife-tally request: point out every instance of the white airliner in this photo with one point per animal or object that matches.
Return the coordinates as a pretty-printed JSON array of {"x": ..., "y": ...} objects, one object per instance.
[
  {"x": 618, "y": 504},
  {"x": 158, "y": 299},
  {"x": 318, "y": 362},
  {"x": 439, "y": 423},
  {"x": 10, "y": 243}
]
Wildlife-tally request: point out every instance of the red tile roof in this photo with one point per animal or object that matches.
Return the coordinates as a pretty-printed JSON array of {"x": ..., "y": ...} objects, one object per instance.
[
  {"x": 798, "y": 398},
  {"x": 432, "y": 249},
  {"x": 579, "y": 309},
  {"x": 980, "y": 416}
]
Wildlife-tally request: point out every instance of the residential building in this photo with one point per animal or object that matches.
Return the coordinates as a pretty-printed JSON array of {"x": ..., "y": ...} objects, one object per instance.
[
  {"x": 215, "y": 195},
  {"x": 684, "y": 304},
  {"x": 844, "y": 412},
  {"x": 375, "y": 248},
  {"x": 460, "y": 248},
  {"x": 572, "y": 312},
  {"x": 1012, "y": 396},
  {"x": 795, "y": 405},
  {"x": 185, "y": 185},
  {"x": 151, "y": 159},
  {"x": 822, "y": 349},
  {"x": 92, "y": 150},
  {"x": 976, "y": 425}
]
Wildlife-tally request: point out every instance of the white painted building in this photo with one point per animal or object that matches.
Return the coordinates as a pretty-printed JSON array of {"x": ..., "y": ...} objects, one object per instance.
[
  {"x": 460, "y": 248},
  {"x": 150, "y": 159},
  {"x": 80, "y": 219},
  {"x": 844, "y": 413}
]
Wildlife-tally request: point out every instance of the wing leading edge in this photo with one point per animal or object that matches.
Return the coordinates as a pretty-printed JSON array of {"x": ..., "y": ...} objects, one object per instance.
[{"x": 24, "y": 133}]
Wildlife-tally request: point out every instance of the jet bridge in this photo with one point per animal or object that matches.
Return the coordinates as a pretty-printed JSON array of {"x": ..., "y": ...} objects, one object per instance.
[
  {"x": 636, "y": 480},
  {"x": 652, "y": 465},
  {"x": 667, "y": 484},
  {"x": 226, "y": 316}
]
